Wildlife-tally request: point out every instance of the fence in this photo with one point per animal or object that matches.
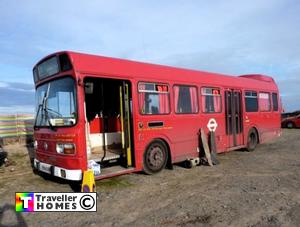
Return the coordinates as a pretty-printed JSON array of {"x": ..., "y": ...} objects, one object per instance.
[{"x": 16, "y": 126}]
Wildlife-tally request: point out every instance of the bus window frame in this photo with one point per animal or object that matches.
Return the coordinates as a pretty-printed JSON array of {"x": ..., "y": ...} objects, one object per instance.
[
  {"x": 57, "y": 57},
  {"x": 58, "y": 66},
  {"x": 155, "y": 92},
  {"x": 212, "y": 87},
  {"x": 257, "y": 97},
  {"x": 76, "y": 97},
  {"x": 270, "y": 101},
  {"x": 198, "y": 103},
  {"x": 272, "y": 107}
]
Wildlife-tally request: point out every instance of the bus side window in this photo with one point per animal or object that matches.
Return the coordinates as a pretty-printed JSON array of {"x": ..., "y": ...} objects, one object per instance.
[
  {"x": 251, "y": 101},
  {"x": 264, "y": 101},
  {"x": 275, "y": 101},
  {"x": 185, "y": 99},
  {"x": 211, "y": 100},
  {"x": 153, "y": 98}
]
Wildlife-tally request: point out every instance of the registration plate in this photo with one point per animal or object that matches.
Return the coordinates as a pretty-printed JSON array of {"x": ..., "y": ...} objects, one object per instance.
[{"x": 44, "y": 168}]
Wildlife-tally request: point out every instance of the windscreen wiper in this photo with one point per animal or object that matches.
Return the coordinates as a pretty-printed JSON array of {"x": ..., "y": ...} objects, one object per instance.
[
  {"x": 46, "y": 109},
  {"x": 45, "y": 113}
]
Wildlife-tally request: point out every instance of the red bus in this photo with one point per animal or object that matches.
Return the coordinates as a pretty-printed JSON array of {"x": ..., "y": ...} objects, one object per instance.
[{"x": 129, "y": 116}]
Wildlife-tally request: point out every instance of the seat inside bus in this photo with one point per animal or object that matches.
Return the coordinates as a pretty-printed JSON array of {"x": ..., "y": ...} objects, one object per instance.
[{"x": 102, "y": 105}]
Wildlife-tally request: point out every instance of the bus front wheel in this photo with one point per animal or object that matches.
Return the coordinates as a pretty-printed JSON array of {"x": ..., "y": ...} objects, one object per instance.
[
  {"x": 155, "y": 157},
  {"x": 252, "y": 140}
]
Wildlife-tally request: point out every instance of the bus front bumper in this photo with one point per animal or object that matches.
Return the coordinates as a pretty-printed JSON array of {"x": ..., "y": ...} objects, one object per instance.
[{"x": 68, "y": 174}]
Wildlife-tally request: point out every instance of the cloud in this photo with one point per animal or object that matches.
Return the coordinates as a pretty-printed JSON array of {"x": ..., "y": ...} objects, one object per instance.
[
  {"x": 3, "y": 85},
  {"x": 232, "y": 37},
  {"x": 16, "y": 97},
  {"x": 20, "y": 87}
]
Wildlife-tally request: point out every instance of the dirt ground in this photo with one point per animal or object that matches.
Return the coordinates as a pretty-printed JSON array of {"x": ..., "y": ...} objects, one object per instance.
[{"x": 260, "y": 188}]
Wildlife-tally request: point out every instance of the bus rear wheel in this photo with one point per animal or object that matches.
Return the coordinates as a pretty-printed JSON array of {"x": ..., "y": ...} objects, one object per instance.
[
  {"x": 155, "y": 157},
  {"x": 252, "y": 140}
]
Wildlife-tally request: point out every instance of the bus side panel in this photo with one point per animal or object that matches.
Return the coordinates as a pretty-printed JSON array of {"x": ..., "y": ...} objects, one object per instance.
[
  {"x": 268, "y": 124},
  {"x": 184, "y": 136},
  {"x": 144, "y": 135},
  {"x": 220, "y": 134},
  {"x": 180, "y": 131},
  {"x": 271, "y": 122}
]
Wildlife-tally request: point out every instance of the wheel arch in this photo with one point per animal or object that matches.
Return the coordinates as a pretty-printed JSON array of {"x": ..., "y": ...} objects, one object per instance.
[
  {"x": 252, "y": 142},
  {"x": 169, "y": 161},
  {"x": 257, "y": 133},
  {"x": 254, "y": 127}
]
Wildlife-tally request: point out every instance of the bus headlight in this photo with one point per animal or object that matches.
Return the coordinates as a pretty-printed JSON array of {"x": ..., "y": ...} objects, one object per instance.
[{"x": 65, "y": 148}]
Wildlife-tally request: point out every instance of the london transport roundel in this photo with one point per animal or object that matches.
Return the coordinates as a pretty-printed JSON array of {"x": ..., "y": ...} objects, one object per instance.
[{"x": 212, "y": 125}]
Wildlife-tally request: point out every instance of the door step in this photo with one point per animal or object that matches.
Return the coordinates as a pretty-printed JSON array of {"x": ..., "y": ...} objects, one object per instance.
[
  {"x": 113, "y": 171},
  {"x": 110, "y": 155}
]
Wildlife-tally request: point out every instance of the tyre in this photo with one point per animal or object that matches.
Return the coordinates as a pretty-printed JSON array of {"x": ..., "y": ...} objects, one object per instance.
[
  {"x": 155, "y": 157},
  {"x": 252, "y": 140},
  {"x": 290, "y": 125}
]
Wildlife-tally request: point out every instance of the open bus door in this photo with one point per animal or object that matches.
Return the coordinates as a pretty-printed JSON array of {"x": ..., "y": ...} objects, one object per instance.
[
  {"x": 125, "y": 112},
  {"x": 234, "y": 117},
  {"x": 109, "y": 125}
]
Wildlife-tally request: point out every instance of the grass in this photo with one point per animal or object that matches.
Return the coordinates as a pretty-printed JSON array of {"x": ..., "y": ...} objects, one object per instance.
[
  {"x": 115, "y": 182},
  {"x": 20, "y": 160},
  {"x": 17, "y": 156}
]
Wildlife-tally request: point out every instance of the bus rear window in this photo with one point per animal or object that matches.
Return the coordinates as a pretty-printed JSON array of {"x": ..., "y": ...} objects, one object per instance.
[
  {"x": 153, "y": 98},
  {"x": 211, "y": 100},
  {"x": 251, "y": 101}
]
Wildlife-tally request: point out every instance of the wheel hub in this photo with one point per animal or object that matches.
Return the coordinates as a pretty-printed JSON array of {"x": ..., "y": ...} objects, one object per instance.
[{"x": 155, "y": 157}]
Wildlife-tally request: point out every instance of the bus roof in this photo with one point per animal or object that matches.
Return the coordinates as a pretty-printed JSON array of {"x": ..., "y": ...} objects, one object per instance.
[{"x": 121, "y": 68}]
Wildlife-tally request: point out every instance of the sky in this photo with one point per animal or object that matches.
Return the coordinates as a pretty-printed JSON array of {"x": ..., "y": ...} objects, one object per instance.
[{"x": 225, "y": 36}]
